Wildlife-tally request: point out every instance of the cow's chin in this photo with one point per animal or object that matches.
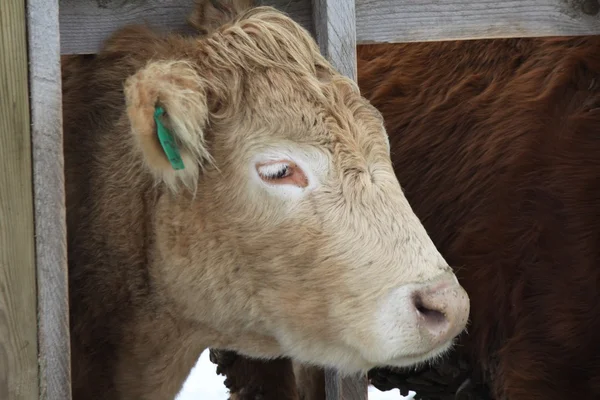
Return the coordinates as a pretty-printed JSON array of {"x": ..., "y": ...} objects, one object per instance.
[
  {"x": 349, "y": 361},
  {"x": 416, "y": 360},
  {"x": 407, "y": 361},
  {"x": 342, "y": 358}
]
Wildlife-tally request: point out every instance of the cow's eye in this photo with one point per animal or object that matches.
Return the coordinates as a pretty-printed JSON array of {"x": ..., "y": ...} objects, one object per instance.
[
  {"x": 276, "y": 170},
  {"x": 282, "y": 172}
]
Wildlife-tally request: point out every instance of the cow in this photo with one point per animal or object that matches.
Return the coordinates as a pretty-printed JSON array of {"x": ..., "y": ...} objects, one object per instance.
[
  {"x": 231, "y": 189},
  {"x": 497, "y": 145}
]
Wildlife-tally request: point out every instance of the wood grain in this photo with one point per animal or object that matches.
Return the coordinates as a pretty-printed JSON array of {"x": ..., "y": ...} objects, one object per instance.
[
  {"x": 85, "y": 24},
  {"x": 434, "y": 20},
  {"x": 18, "y": 319},
  {"x": 49, "y": 199},
  {"x": 335, "y": 31},
  {"x": 345, "y": 388}
]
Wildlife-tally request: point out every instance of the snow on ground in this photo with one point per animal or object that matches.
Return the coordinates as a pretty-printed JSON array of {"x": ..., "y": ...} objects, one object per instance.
[{"x": 203, "y": 383}]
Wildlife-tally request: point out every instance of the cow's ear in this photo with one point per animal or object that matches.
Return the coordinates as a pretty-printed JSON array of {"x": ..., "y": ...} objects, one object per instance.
[{"x": 168, "y": 113}]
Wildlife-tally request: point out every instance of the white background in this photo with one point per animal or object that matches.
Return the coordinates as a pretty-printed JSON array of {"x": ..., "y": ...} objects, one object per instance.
[{"x": 204, "y": 384}]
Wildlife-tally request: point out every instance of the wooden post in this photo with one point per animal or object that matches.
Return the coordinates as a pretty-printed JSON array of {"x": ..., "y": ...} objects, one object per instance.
[
  {"x": 335, "y": 30},
  {"x": 345, "y": 388},
  {"x": 49, "y": 199},
  {"x": 18, "y": 318}
]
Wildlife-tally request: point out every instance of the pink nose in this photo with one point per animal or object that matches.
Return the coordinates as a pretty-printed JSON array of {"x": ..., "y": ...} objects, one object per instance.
[{"x": 442, "y": 307}]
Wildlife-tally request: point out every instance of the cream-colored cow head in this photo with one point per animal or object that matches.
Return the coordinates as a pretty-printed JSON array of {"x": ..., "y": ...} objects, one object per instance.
[{"x": 286, "y": 232}]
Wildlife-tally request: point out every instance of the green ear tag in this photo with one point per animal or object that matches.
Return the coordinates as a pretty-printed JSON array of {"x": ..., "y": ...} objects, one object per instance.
[{"x": 167, "y": 142}]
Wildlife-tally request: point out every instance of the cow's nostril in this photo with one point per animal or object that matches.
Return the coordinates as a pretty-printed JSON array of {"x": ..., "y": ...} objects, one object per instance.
[{"x": 432, "y": 313}]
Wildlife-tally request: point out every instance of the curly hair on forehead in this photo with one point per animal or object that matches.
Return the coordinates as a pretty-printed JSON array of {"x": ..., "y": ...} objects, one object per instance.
[
  {"x": 264, "y": 38},
  {"x": 267, "y": 38}
]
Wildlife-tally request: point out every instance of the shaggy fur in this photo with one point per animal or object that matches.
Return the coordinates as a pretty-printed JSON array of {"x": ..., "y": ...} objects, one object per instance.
[
  {"x": 276, "y": 379},
  {"x": 497, "y": 146},
  {"x": 166, "y": 263}
]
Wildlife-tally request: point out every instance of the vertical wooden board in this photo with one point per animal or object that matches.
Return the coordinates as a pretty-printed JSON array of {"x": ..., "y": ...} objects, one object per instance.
[
  {"x": 334, "y": 24},
  {"x": 335, "y": 29},
  {"x": 18, "y": 319},
  {"x": 49, "y": 199},
  {"x": 338, "y": 387}
]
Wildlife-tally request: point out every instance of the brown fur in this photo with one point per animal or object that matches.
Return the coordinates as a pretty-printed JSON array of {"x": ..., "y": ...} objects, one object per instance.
[
  {"x": 497, "y": 146},
  {"x": 165, "y": 263},
  {"x": 276, "y": 380}
]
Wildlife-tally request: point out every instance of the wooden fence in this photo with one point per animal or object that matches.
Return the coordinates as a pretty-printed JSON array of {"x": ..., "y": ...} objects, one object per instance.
[{"x": 34, "y": 335}]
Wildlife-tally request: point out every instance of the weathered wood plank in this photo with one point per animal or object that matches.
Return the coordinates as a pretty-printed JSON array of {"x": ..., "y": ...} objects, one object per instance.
[
  {"x": 84, "y": 24},
  {"x": 18, "y": 318},
  {"x": 345, "y": 388},
  {"x": 335, "y": 31},
  {"x": 334, "y": 24},
  {"x": 49, "y": 199},
  {"x": 434, "y": 20}
]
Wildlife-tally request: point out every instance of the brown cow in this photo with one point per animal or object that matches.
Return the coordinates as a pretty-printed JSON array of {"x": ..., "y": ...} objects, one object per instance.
[
  {"x": 233, "y": 190},
  {"x": 497, "y": 146}
]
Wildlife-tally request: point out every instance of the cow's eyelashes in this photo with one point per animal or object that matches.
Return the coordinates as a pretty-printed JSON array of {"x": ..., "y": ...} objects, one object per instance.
[
  {"x": 274, "y": 171},
  {"x": 282, "y": 172}
]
